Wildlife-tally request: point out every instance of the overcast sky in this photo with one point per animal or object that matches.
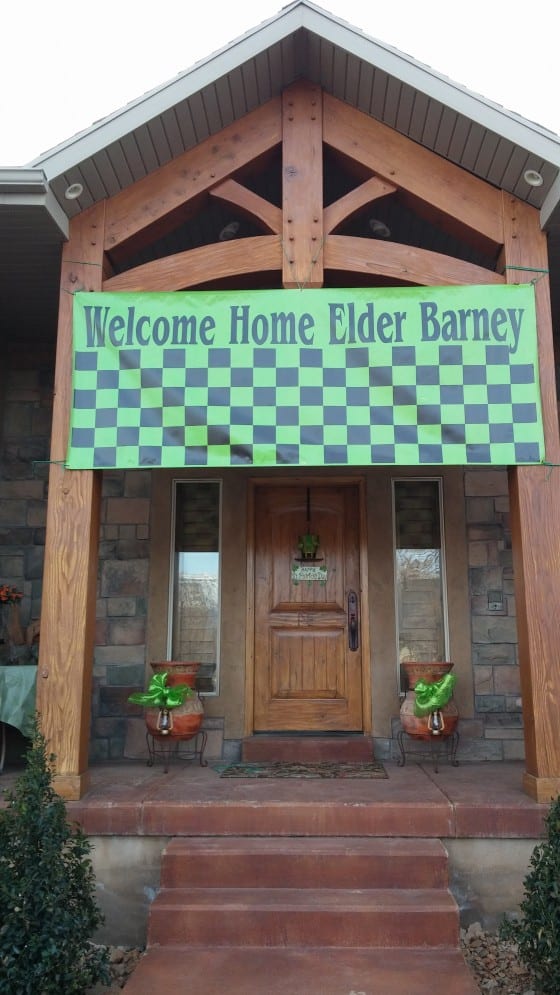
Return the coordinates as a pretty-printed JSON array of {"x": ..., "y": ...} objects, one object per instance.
[{"x": 64, "y": 65}]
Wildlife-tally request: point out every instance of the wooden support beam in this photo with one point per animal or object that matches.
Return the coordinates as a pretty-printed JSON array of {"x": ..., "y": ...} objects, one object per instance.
[
  {"x": 448, "y": 196},
  {"x": 135, "y": 214},
  {"x": 250, "y": 204},
  {"x": 404, "y": 263},
  {"x": 302, "y": 185},
  {"x": 345, "y": 207},
  {"x": 64, "y": 674},
  {"x": 535, "y": 525},
  {"x": 198, "y": 266}
]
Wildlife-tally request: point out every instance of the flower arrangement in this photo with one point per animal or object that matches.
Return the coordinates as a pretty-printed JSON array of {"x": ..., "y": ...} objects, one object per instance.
[{"x": 9, "y": 595}]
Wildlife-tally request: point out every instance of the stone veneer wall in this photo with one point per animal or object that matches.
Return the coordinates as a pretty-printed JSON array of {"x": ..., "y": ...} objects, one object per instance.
[
  {"x": 122, "y": 606},
  {"x": 25, "y": 419},
  {"x": 118, "y": 728},
  {"x": 497, "y": 730}
]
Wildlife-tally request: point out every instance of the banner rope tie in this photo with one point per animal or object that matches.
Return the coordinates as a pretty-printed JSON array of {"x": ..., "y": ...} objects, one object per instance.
[
  {"x": 58, "y": 462},
  {"x": 529, "y": 269},
  {"x": 550, "y": 467}
]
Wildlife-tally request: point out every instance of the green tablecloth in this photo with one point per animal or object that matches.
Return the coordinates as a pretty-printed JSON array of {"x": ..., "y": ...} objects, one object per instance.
[{"x": 17, "y": 697}]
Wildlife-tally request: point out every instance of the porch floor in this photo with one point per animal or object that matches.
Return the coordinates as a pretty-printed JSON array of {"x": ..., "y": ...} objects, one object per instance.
[{"x": 483, "y": 800}]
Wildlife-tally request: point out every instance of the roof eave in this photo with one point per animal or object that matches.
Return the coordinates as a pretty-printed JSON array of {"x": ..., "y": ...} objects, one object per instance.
[
  {"x": 122, "y": 122},
  {"x": 302, "y": 14},
  {"x": 29, "y": 188},
  {"x": 550, "y": 211}
]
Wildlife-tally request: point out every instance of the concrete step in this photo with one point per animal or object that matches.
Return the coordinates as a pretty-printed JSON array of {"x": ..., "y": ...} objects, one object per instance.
[
  {"x": 300, "y": 917},
  {"x": 304, "y": 971},
  {"x": 304, "y": 862},
  {"x": 307, "y": 749}
]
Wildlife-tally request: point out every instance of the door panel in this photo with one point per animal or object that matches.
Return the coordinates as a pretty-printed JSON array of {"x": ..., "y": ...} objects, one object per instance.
[{"x": 306, "y": 675}]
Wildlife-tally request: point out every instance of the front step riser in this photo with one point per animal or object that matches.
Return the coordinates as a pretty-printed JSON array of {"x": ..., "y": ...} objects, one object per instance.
[
  {"x": 274, "y": 971},
  {"x": 287, "y": 870},
  {"x": 299, "y": 818},
  {"x": 293, "y": 928},
  {"x": 307, "y": 749}
]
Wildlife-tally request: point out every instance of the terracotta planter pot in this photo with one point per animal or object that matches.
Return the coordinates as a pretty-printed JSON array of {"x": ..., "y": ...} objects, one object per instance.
[
  {"x": 431, "y": 671},
  {"x": 419, "y": 726},
  {"x": 178, "y": 671},
  {"x": 414, "y": 725},
  {"x": 185, "y": 720}
]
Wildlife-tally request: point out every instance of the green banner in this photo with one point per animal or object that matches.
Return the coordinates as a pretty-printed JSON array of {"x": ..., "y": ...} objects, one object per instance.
[{"x": 415, "y": 376}]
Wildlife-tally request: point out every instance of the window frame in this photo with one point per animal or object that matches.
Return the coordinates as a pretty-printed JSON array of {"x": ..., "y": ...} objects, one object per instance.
[
  {"x": 443, "y": 566},
  {"x": 176, "y": 481}
]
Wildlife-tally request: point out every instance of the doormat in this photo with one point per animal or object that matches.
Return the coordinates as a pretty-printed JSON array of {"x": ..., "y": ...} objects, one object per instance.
[{"x": 323, "y": 769}]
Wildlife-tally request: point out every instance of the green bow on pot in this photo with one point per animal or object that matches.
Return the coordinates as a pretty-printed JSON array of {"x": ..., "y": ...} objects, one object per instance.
[
  {"x": 431, "y": 697},
  {"x": 159, "y": 695}
]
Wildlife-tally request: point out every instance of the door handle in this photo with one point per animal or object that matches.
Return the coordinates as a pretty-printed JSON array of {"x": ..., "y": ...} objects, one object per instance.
[{"x": 353, "y": 626}]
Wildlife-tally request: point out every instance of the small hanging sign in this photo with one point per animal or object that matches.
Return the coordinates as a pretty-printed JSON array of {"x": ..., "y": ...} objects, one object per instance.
[{"x": 308, "y": 573}]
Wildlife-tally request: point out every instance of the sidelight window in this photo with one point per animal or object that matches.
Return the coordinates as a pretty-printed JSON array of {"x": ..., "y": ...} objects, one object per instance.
[
  {"x": 194, "y": 622},
  {"x": 420, "y": 589}
]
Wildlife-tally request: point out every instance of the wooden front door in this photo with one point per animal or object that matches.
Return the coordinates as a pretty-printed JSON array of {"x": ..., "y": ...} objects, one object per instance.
[{"x": 307, "y": 637}]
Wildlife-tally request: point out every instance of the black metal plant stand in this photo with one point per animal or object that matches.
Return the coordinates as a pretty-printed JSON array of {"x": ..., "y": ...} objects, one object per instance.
[
  {"x": 168, "y": 749},
  {"x": 439, "y": 747}
]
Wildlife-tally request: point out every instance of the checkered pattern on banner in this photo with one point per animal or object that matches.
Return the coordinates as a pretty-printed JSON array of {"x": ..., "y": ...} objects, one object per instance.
[{"x": 307, "y": 406}]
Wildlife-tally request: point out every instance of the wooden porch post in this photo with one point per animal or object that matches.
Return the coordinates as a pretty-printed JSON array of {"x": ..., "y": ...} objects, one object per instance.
[
  {"x": 535, "y": 522},
  {"x": 70, "y": 572}
]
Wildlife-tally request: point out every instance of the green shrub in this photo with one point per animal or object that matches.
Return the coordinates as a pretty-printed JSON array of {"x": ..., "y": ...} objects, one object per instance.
[
  {"x": 537, "y": 930},
  {"x": 48, "y": 912}
]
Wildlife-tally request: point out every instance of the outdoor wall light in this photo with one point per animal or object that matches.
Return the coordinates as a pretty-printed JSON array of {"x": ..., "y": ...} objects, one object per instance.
[
  {"x": 229, "y": 231},
  {"x": 74, "y": 191},
  {"x": 379, "y": 229},
  {"x": 495, "y": 601},
  {"x": 533, "y": 178}
]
